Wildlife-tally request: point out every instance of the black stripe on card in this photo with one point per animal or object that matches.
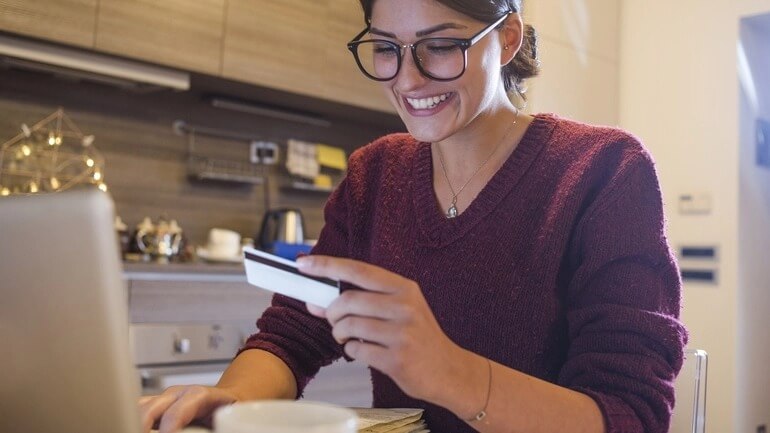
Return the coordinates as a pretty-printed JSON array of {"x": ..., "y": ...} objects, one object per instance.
[{"x": 291, "y": 269}]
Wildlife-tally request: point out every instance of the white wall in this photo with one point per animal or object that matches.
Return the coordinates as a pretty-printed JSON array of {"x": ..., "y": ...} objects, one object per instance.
[
  {"x": 679, "y": 93},
  {"x": 578, "y": 47},
  {"x": 754, "y": 236}
]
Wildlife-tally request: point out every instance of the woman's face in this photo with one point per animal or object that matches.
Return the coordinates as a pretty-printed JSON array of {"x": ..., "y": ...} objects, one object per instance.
[{"x": 434, "y": 110}]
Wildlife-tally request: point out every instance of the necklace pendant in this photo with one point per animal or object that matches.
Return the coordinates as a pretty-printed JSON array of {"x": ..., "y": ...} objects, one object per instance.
[{"x": 452, "y": 211}]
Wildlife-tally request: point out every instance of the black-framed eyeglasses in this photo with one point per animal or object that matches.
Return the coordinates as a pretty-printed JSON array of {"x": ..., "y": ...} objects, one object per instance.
[{"x": 440, "y": 59}]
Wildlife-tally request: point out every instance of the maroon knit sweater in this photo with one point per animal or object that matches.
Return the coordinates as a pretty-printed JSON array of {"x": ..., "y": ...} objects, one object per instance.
[{"x": 559, "y": 268}]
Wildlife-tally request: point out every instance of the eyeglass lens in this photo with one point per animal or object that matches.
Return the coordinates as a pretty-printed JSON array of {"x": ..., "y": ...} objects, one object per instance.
[{"x": 437, "y": 57}]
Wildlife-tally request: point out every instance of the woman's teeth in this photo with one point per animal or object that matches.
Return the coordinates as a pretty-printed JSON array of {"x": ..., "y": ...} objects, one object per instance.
[{"x": 424, "y": 103}]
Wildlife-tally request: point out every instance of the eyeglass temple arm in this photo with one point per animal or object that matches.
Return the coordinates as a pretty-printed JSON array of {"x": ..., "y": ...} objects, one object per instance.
[
  {"x": 360, "y": 35},
  {"x": 484, "y": 32}
]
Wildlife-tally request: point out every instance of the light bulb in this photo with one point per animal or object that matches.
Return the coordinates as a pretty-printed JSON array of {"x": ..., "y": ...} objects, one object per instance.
[
  {"x": 51, "y": 139},
  {"x": 58, "y": 140},
  {"x": 97, "y": 175},
  {"x": 103, "y": 187},
  {"x": 55, "y": 183},
  {"x": 32, "y": 187},
  {"x": 5, "y": 192},
  {"x": 26, "y": 150},
  {"x": 90, "y": 162}
]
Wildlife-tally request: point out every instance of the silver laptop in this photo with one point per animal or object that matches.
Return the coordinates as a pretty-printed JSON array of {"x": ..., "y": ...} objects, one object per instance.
[{"x": 65, "y": 366}]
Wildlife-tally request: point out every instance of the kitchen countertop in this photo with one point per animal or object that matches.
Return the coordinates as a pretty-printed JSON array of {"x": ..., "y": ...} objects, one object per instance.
[{"x": 192, "y": 271}]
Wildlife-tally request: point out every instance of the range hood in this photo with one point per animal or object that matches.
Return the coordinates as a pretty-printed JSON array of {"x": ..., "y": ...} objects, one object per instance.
[{"x": 81, "y": 64}]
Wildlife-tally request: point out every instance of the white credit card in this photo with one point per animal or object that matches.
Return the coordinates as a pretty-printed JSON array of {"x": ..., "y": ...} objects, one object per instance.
[{"x": 279, "y": 275}]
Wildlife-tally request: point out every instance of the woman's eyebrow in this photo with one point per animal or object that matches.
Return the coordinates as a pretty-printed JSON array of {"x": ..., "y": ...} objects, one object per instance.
[{"x": 429, "y": 30}]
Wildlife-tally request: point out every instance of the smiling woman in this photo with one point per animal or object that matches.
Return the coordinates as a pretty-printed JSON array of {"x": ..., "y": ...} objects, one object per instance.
[
  {"x": 524, "y": 65},
  {"x": 503, "y": 272}
]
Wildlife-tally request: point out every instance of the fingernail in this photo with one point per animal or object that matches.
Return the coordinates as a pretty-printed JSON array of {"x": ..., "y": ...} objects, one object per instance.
[{"x": 304, "y": 262}]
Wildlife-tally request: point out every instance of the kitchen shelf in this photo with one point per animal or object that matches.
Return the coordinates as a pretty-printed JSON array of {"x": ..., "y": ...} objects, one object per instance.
[
  {"x": 203, "y": 168},
  {"x": 304, "y": 186}
]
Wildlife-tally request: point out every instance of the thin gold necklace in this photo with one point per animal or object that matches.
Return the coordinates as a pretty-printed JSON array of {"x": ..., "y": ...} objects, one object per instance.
[{"x": 451, "y": 212}]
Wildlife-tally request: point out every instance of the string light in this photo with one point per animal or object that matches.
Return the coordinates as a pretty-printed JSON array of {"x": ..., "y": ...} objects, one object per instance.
[{"x": 36, "y": 158}]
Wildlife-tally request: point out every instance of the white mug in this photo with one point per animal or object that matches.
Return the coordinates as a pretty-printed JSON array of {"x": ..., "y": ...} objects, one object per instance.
[{"x": 284, "y": 416}]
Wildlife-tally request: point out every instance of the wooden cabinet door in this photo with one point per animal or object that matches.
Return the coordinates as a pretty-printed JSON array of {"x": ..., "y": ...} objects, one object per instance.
[
  {"x": 180, "y": 33},
  {"x": 344, "y": 81},
  {"x": 278, "y": 44},
  {"x": 67, "y": 21}
]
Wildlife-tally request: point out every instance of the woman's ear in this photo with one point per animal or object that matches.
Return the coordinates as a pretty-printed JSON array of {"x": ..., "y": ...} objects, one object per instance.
[{"x": 511, "y": 36}]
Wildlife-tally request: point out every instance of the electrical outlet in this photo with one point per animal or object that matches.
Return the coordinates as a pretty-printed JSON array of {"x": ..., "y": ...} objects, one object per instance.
[
  {"x": 264, "y": 152},
  {"x": 695, "y": 203},
  {"x": 762, "y": 428}
]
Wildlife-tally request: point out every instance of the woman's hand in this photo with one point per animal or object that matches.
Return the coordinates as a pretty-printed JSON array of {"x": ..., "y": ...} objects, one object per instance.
[
  {"x": 389, "y": 326},
  {"x": 179, "y": 406}
]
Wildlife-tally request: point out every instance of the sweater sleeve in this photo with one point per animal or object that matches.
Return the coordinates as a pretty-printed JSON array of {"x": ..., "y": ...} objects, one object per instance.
[
  {"x": 626, "y": 342},
  {"x": 286, "y": 329}
]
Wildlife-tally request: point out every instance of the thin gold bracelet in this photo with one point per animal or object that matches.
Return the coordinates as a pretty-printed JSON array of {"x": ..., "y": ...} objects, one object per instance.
[{"x": 483, "y": 412}]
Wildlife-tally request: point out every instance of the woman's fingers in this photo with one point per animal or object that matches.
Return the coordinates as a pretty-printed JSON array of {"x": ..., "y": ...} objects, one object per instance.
[
  {"x": 178, "y": 406},
  {"x": 191, "y": 404},
  {"x": 152, "y": 408},
  {"x": 362, "y": 303},
  {"x": 369, "y": 353},
  {"x": 316, "y": 310},
  {"x": 361, "y": 274},
  {"x": 363, "y": 328}
]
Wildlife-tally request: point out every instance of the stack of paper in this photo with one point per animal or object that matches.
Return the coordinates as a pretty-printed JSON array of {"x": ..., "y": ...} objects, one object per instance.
[
  {"x": 306, "y": 160},
  {"x": 390, "y": 420},
  {"x": 302, "y": 159}
]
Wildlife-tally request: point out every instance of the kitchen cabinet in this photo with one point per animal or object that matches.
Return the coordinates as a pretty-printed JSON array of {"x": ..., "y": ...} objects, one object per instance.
[
  {"x": 299, "y": 46},
  {"x": 276, "y": 44},
  {"x": 343, "y": 80},
  {"x": 67, "y": 21},
  {"x": 178, "y": 33}
]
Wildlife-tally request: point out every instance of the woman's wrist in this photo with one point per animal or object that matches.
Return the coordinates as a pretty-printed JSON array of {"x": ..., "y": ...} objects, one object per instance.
[{"x": 464, "y": 386}]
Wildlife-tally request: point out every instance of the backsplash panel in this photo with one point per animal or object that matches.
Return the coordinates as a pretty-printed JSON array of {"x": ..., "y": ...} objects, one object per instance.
[{"x": 146, "y": 161}]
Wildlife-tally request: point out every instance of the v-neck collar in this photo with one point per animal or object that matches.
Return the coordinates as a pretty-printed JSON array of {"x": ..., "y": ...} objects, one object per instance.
[{"x": 436, "y": 229}]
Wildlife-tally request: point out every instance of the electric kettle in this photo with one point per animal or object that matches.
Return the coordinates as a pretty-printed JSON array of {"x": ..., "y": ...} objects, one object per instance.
[{"x": 281, "y": 225}]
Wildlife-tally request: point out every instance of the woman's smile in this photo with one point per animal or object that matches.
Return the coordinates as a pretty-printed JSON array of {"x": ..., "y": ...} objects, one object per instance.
[{"x": 429, "y": 105}]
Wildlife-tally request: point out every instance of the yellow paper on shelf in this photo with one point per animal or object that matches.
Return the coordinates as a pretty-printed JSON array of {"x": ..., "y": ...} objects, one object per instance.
[
  {"x": 332, "y": 157},
  {"x": 323, "y": 181}
]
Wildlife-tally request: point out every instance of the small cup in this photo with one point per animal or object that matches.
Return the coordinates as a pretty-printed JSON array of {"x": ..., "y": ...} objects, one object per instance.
[
  {"x": 284, "y": 416},
  {"x": 224, "y": 243}
]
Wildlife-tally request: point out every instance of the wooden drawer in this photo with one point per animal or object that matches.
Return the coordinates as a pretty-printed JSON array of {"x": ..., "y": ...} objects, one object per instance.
[{"x": 160, "y": 301}]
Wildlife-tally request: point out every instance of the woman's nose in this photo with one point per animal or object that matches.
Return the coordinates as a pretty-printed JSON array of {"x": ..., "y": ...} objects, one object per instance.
[{"x": 409, "y": 77}]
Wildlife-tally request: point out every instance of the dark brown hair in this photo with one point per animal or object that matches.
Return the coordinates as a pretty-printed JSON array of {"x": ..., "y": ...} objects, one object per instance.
[{"x": 524, "y": 65}]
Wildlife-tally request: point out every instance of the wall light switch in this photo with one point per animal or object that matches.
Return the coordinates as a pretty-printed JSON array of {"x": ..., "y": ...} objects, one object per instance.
[{"x": 695, "y": 204}]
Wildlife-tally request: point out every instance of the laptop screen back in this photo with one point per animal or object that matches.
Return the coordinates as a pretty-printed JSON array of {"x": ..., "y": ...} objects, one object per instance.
[{"x": 66, "y": 366}]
